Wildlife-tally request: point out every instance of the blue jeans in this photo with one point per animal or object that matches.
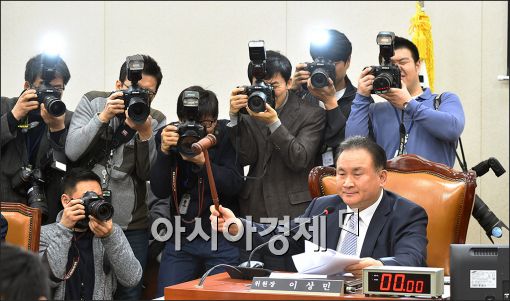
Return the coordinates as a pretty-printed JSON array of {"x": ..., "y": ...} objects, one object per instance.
[
  {"x": 139, "y": 242},
  {"x": 193, "y": 260}
]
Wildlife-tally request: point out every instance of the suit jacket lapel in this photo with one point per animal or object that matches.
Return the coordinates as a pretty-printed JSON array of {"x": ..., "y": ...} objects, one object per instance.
[
  {"x": 376, "y": 225},
  {"x": 333, "y": 228}
]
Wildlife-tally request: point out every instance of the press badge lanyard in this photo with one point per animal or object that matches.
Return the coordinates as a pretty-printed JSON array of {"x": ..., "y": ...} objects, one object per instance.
[
  {"x": 200, "y": 195},
  {"x": 404, "y": 135}
]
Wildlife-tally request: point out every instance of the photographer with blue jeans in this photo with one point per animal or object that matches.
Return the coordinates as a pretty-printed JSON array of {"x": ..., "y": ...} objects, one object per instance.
[{"x": 177, "y": 167}]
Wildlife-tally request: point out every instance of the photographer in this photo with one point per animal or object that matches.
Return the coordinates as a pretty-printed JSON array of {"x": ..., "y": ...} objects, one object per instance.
[
  {"x": 176, "y": 166},
  {"x": 85, "y": 251},
  {"x": 115, "y": 135},
  {"x": 33, "y": 130},
  {"x": 337, "y": 93},
  {"x": 280, "y": 144},
  {"x": 408, "y": 122}
]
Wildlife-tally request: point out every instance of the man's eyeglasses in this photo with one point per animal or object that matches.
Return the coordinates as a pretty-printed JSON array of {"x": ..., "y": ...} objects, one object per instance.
[
  {"x": 207, "y": 123},
  {"x": 150, "y": 92},
  {"x": 58, "y": 89}
]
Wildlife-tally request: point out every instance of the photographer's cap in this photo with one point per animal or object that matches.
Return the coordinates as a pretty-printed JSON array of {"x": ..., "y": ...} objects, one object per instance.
[{"x": 330, "y": 44}]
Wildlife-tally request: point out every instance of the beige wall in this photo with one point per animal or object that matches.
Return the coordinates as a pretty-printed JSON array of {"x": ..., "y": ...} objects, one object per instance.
[{"x": 205, "y": 43}]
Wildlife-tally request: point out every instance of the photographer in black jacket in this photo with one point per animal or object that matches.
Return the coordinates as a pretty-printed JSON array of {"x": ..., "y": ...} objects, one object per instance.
[
  {"x": 178, "y": 167},
  {"x": 331, "y": 51},
  {"x": 33, "y": 132}
]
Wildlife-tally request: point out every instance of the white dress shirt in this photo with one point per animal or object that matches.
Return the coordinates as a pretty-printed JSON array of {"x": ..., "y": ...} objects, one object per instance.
[{"x": 364, "y": 219}]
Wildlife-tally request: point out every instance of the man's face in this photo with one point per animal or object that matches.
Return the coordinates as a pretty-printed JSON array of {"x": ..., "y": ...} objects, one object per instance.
[
  {"x": 148, "y": 82},
  {"x": 341, "y": 69},
  {"x": 209, "y": 123},
  {"x": 409, "y": 70},
  {"x": 57, "y": 83},
  {"x": 80, "y": 189},
  {"x": 358, "y": 183},
  {"x": 279, "y": 85}
]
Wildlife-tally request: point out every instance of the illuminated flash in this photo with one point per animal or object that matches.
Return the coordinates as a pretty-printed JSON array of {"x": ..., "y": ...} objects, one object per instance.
[
  {"x": 320, "y": 37},
  {"x": 52, "y": 44}
]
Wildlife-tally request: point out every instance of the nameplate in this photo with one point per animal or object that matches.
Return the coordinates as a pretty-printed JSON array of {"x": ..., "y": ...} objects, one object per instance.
[{"x": 325, "y": 287}]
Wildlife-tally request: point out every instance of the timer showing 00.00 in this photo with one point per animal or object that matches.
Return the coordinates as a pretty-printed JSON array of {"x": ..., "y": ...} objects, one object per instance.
[{"x": 399, "y": 283}]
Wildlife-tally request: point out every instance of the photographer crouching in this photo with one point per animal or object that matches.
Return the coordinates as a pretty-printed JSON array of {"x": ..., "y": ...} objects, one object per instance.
[
  {"x": 33, "y": 133},
  {"x": 85, "y": 251},
  {"x": 180, "y": 175}
]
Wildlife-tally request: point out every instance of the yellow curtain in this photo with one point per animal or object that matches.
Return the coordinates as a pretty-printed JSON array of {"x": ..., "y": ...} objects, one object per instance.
[{"x": 421, "y": 33}]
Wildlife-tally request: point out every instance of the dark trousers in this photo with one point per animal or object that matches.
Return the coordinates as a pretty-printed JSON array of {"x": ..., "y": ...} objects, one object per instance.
[
  {"x": 193, "y": 260},
  {"x": 139, "y": 242}
]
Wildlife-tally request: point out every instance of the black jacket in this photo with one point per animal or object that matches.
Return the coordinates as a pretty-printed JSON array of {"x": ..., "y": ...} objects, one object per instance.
[{"x": 227, "y": 176}]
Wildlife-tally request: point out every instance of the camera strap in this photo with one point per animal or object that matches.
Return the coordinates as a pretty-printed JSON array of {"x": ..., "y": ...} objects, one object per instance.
[
  {"x": 201, "y": 188},
  {"x": 404, "y": 134}
]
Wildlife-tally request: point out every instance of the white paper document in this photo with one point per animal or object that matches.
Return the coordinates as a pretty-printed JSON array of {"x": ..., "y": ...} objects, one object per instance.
[{"x": 322, "y": 262}]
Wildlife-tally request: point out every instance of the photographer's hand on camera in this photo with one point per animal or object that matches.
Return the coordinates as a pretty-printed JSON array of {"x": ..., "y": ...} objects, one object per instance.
[
  {"x": 114, "y": 105},
  {"x": 238, "y": 100},
  {"x": 326, "y": 94},
  {"x": 144, "y": 130},
  {"x": 169, "y": 138},
  {"x": 365, "y": 82},
  {"x": 54, "y": 124},
  {"x": 398, "y": 97},
  {"x": 73, "y": 212},
  {"x": 26, "y": 103},
  {"x": 300, "y": 77},
  {"x": 269, "y": 116},
  {"x": 101, "y": 229}
]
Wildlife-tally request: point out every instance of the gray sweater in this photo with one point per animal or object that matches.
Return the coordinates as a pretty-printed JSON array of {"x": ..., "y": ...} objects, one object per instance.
[
  {"x": 86, "y": 142},
  {"x": 125, "y": 268}
]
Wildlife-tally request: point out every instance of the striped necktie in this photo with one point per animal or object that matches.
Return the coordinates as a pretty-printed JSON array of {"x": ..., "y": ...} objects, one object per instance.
[{"x": 349, "y": 245}]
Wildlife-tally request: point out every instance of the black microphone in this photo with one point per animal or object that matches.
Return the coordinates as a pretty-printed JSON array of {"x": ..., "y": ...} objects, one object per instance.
[{"x": 247, "y": 271}]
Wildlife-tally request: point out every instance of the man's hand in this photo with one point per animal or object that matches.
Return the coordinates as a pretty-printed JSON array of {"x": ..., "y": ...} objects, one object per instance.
[
  {"x": 300, "y": 77},
  {"x": 397, "y": 97},
  {"x": 55, "y": 124},
  {"x": 113, "y": 106},
  {"x": 366, "y": 82},
  {"x": 218, "y": 219},
  {"x": 198, "y": 159},
  {"x": 26, "y": 103},
  {"x": 169, "y": 138},
  {"x": 100, "y": 228},
  {"x": 237, "y": 100},
  {"x": 357, "y": 268},
  {"x": 144, "y": 129},
  {"x": 269, "y": 116},
  {"x": 73, "y": 212},
  {"x": 325, "y": 94}
]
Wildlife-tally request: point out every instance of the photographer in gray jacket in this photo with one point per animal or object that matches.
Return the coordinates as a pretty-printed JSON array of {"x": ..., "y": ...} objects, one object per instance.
[{"x": 85, "y": 251}]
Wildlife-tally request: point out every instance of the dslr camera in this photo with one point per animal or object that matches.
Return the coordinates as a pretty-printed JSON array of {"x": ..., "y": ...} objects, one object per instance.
[
  {"x": 260, "y": 93},
  {"x": 136, "y": 99},
  {"x": 320, "y": 70},
  {"x": 46, "y": 93},
  {"x": 387, "y": 75},
  {"x": 190, "y": 131},
  {"x": 30, "y": 181},
  {"x": 97, "y": 207}
]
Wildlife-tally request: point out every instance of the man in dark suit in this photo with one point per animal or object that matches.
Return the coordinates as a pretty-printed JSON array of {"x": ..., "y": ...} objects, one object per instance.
[
  {"x": 279, "y": 144},
  {"x": 392, "y": 229}
]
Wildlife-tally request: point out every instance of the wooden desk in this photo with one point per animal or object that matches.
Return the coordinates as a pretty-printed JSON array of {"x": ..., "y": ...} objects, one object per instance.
[{"x": 222, "y": 287}]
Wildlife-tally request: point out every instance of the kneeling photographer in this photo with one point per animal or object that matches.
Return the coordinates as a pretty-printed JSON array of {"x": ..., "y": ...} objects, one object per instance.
[
  {"x": 33, "y": 133},
  {"x": 85, "y": 251},
  {"x": 412, "y": 120},
  {"x": 180, "y": 175}
]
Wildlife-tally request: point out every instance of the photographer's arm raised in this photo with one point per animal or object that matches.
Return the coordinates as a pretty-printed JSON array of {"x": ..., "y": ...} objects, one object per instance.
[{"x": 357, "y": 123}]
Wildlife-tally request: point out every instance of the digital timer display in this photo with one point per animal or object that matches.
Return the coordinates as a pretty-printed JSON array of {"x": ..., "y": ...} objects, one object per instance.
[{"x": 411, "y": 283}]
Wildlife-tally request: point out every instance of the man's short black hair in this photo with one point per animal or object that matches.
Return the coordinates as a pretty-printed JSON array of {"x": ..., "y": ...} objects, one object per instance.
[
  {"x": 275, "y": 63},
  {"x": 207, "y": 104},
  {"x": 150, "y": 67},
  {"x": 338, "y": 48},
  {"x": 400, "y": 43},
  {"x": 76, "y": 175},
  {"x": 33, "y": 69},
  {"x": 22, "y": 275},
  {"x": 375, "y": 150}
]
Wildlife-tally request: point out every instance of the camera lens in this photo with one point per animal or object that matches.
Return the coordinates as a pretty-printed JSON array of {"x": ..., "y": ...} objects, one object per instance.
[
  {"x": 36, "y": 199},
  {"x": 55, "y": 106},
  {"x": 186, "y": 141},
  {"x": 138, "y": 110},
  {"x": 319, "y": 78},
  {"x": 257, "y": 101},
  {"x": 101, "y": 210},
  {"x": 382, "y": 83}
]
